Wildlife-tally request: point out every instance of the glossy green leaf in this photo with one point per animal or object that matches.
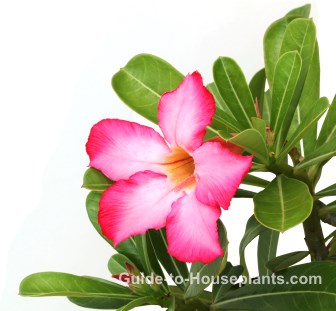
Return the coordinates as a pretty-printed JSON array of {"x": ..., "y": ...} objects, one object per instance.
[
  {"x": 303, "y": 11},
  {"x": 284, "y": 261},
  {"x": 117, "y": 264},
  {"x": 148, "y": 258},
  {"x": 258, "y": 167},
  {"x": 233, "y": 88},
  {"x": 257, "y": 88},
  {"x": 255, "y": 181},
  {"x": 266, "y": 111},
  {"x": 327, "y": 214},
  {"x": 310, "y": 120},
  {"x": 213, "y": 269},
  {"x": 272, "y": 46},
  {"x": 260, "y": 126},
  {"x": 329, "y": 209},
  {"x": 300, "y": 36},
  {"x": 309, "y": 96},
  {"x": 220, "y": 103},
  {"x": 138, "y": 302},
  {"x": 127, "y": 247},
  {"x": 172, "y": 305},
  {"x": 172, "y": 266},
  {"x": 331, "y": 235},
  {"x": 287, "y": 296},
  {"x": 253, "y": 229},
  {"x": 220, "y": 288},
  {"x": 328, "y": 129},
  {"x": 64, "y": 284},
  {"x": 223, "y": 117},
  {"x": 267, "y": 248},
  {"x": 242, "y": 193},
  {"x": 99, "y": 303},
  {"x": 319, "y": 155},
  {"x": 95, "y": 180},
  {"x": 286, "y": 75},
  {"x": 142, "y": 81},
  {"x": 92, "y": 206},
  {"x": 283, "y": 204},
  {"x": 327, "y": 192},
  {"x": 251, "y": 141},
  {"x": 222, "y": 121}
]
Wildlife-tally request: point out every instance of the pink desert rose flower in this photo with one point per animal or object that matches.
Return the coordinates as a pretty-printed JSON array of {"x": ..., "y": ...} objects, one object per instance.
[{"x": 178, "y": 182}]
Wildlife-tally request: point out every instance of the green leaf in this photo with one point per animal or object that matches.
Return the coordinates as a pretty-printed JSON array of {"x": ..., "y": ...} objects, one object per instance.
[
  {"x": 255, "y": 181},
  {"x": 99, "y": 303},
  {"x": 286, "y": 75},
  {"x": 266, "y": 112},
  {"x": 267, "y": 248},
  {"x": 321, "y": 154},
  {"x": 95, "y": 180},
  {"x": 137, "y": 303},
  {"x": 284, "y": 261},
  {"x": 310, "y": 120},
  {"x": 329, "y": 209},
  {"x": 327, "y": 192},
  {"x": 252, "y": 142},
  {"x": 300, "y": 36},
  {"x": 272, "y": 46},
  {"x": 257, "y": 88},
  {"x": 232, "y": 86},
  {"x": 173, "y": 266},
  {"x": 148, "y": 258},
  {"x": 92, "y": 207},
  {"x": 220, "y": 103},
  {"x": 283, "y": 204},
  {"x": 223, "y": 117},
  {"x": 287, "y": 296},
  {"x": 64, "y": 284},
  {"x": 331, "y": 235},
  {"x": 328, "y": 129},
  {"x": 142, "y": 81},
  {"x": 310, "y": 94},
  {"x": 303, "y": 11},
  {"x": 127, "y": 247},
  {"x": 253, "y": 229},
  {"x": 213, "y": 269},
  {"x": 242, "y": 193},
  {"x": 260, "y": 126},
  {"x": 220, "y": 288},
  {"x": 222, "y": 121},
  {"x": 172, "y": 305},
  {"x": 117, "y": 264}
]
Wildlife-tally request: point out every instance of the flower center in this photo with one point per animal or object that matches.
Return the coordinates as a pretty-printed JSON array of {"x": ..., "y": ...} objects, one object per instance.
[{"x": 180, "y": 167}]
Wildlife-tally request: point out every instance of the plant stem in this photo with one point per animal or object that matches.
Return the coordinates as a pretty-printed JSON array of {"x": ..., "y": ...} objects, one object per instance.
[{"x": 314, "y": 236}]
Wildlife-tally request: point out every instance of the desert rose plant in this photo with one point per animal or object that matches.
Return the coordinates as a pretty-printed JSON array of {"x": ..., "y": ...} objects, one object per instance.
[{"x": 157, "y": 199}]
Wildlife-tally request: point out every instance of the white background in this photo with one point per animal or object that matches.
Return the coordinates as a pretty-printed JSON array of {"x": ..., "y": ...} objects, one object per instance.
[{"x": 57, "y": 59}]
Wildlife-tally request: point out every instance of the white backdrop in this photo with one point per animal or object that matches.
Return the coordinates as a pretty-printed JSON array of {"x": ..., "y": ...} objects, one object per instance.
[{"x": 57, "y": 59}]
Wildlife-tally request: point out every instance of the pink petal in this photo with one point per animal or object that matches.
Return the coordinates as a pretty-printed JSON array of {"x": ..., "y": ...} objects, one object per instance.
[
  {"x": 232, "y": 147},
  {"x": 120, "y": 148},
  {"x": 219, "y": 172},
  {"x": 185, "y": 112},
  {"x": 192, "y": 230},
  {"x": 131, "y": 207}
]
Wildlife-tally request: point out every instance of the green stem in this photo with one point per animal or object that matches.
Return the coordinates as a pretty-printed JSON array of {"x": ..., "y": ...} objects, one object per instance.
[{"x": 314, "y": 235}]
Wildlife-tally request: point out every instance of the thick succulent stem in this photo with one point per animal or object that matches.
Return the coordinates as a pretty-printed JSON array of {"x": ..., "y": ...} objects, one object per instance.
[{"x": 314, "y": 235}]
